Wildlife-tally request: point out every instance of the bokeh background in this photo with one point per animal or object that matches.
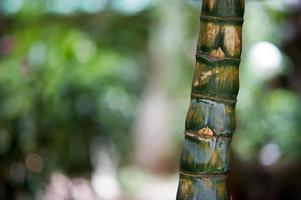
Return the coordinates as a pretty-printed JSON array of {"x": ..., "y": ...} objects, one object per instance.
[{"x": 94, "y": 95}]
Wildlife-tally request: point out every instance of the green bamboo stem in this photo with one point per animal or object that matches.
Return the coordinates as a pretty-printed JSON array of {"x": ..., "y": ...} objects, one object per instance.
[{"x": 210, "y": 121}]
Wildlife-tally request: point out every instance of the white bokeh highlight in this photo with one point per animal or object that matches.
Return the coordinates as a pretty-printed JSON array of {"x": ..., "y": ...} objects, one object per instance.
[
  {"x": 269, "y": 154},
  {"x": 265, "y": 60}
]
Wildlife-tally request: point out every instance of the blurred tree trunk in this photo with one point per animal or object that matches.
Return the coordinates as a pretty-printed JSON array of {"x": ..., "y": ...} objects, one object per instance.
[
  {"x": 152, "y": 132},
  {"x": 210, "y": 122}
]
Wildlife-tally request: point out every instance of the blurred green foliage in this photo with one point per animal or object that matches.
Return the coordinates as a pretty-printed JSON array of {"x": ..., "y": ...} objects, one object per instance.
[
  {"x": 269, "y": 110},
  {"x": 65, "y": 81}
]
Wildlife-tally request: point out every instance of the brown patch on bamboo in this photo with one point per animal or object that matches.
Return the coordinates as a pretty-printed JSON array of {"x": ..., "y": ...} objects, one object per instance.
[
  {"x": 196, "y": 76},
  {"x": 209, "y": 32},
  {"x": 205, "y": 75},
  {"x": 232, "y": 40},
  {"x": 242, "y": 3},
  {"x": 186, "y": 187},
  {"x": 214, "y": 158},
  {"x": 220, "y": 190},
  {"x": 212, "y": 4},
  {"x": 226, "y": 77}
]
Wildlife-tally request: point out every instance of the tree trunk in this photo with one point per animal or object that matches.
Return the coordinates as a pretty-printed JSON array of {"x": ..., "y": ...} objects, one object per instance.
[{"x": 210, "y": 121}]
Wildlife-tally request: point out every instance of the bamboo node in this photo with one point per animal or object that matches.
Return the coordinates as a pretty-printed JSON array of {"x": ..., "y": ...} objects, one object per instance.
[
  {"x": 205, "y": 132},
  {"x": 213, "y": 98},
  {"x": 217, "y": 54},
  {"x": 205, "y": 175},
  {"x": 222, "y": 18}
]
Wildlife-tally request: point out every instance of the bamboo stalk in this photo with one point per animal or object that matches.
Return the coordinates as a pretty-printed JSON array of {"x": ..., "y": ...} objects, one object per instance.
[{"x": 210, "y": 121}]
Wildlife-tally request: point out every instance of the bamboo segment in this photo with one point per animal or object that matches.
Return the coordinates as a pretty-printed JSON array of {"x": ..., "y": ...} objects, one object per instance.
[{"x": 210, "y": 121}]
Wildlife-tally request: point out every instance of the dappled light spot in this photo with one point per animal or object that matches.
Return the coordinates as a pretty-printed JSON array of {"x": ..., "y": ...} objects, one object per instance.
[
  {"x": 130, "y": 6},
  {"x": 266, "y": 59},
  {"x": 269, "y": 154},
  {"x": 12, "y": 6},
  {"x": 84, "y": 50},
  {"x": 68, "y": 7},
  {"x": 34, "y": 162},
  {"x": 37, "y": 53},
  {"x": 93, "y": 6}
]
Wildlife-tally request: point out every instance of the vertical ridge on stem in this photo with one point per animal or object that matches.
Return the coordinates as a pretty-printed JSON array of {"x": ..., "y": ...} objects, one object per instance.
[{"x": 210, "y": 121}]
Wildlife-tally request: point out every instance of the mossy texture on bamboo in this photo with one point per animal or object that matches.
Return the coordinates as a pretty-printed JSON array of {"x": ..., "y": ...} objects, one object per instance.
[
  {"x": 213, "y": 159},
  {"x": 210, "y": 121},
  {"x": 216, "y": 79},
  {"x": 191, "y": 188},
  {"x": 219, "y": 117}
]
